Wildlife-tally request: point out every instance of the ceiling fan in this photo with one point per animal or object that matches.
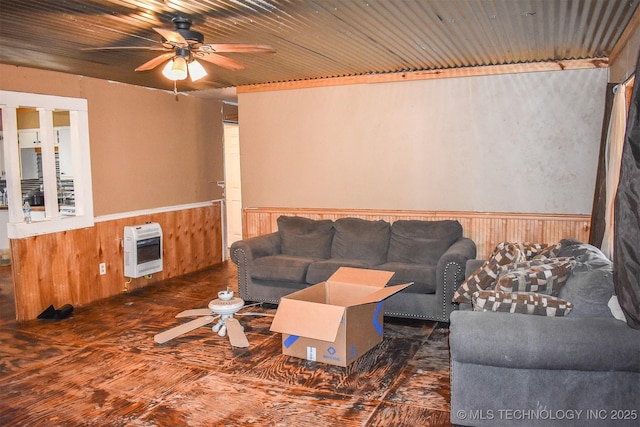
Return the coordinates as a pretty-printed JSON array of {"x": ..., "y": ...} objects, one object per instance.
[
  {"x": 184, "y": 46},
  {"x": 221, "y": 309}
]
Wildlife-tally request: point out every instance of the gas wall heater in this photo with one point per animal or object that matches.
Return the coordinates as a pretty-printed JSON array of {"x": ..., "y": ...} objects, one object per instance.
[{"x": 142, "y": 249}]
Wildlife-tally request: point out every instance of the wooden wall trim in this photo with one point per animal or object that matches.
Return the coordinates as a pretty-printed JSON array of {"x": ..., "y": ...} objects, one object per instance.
[
  {"x": 164, "y": 209},
  {"x": 489, "y": 70},
  {"x": 62, "y": 268},
  {"x": 486, "y": 229}
]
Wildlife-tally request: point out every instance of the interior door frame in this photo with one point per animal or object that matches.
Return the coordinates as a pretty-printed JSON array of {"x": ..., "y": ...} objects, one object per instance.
[{"x": 227, "y": 210}]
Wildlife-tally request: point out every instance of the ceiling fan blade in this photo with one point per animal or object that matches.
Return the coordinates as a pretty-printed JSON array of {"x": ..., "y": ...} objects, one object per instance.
[
  {"x": 255, "y": 314},
  {"x": 237, "y": 338},
  {"x": 194, "y": 312},
  {"x": 127, "y": 48},
  {"x": 236, "y": 47},
  {"x": 221, "y": 61},
  {"x": 155, "y": 61},
  {"x": 172, "y": 333},
  {"x": 172, "y": 36}
]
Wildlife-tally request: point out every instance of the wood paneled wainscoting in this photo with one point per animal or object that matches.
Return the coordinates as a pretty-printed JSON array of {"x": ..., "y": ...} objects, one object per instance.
[
  {"x": 63, "y": 268},
  {"x": 485, "y": 229}
]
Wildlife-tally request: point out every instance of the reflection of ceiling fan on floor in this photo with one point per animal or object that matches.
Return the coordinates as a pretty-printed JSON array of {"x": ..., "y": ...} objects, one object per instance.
[
  {"x": 183, "y": 46},
  {"x": 221, "y": 309}
]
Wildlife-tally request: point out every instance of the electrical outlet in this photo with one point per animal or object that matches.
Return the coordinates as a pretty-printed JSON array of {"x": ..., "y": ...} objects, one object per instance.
[{"x": 103, "y": 268}]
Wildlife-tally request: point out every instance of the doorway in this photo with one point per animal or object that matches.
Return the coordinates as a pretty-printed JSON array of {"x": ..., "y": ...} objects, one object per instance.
[{"x": 232, "y": 185}]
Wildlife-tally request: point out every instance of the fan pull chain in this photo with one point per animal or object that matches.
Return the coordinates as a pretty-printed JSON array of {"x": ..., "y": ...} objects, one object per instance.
[{"x": 175, "y": 88}]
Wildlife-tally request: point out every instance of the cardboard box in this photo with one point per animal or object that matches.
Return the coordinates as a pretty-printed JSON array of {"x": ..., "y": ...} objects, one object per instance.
[{"x": 336, "y": 321}]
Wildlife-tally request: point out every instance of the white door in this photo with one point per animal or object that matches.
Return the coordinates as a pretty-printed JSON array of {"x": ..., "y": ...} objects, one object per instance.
[{"x": 232, "y": 191}]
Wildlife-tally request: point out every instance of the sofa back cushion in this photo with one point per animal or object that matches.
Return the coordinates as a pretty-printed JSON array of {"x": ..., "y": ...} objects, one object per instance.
[
  {"x": 361, "y": 239},
  {"x": 305, "y": 237},
  {"x": 591, "y": 285},
  {"x": 422, "y": 242}
]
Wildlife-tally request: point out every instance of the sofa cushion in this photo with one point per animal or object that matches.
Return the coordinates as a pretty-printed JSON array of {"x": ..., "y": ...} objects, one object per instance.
[
  {"x": 281, "y": 268},
  {"x": 423, "y": 276},
  {"x": 545, "y": 276},
  {"x": 359, "y": 239},
  {"x": 541, "y": 343},
  {"x": 321, "y": 270},
  {"x": 588, "y": 257},
  {"x": 421, "y": 242},
  {"x": 305, "y": 237},
  {"x": 591, "y": 284},
  {"x": 520, "y": 302},
  {"x": 485, "y": 276},
  {"x": 590, "y": 292}
]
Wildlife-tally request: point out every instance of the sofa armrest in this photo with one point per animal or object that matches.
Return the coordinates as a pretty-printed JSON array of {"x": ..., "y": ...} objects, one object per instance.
[
  {"x": 249, "y": 249},
  {"x": 243, "y": 252},
  {"x": 518, "y": 341},
  {"x": 472, "y": 266},
  {"x": 462, "y": 250},
  {"x": 450, "y": 271}
]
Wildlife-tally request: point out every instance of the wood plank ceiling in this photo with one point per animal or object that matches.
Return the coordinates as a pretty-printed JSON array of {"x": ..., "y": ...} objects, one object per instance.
[{"x": 313, "y": 39}]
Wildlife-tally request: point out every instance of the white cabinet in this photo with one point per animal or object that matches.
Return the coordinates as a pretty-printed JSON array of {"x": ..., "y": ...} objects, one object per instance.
[
  {"x": 28, "y": 138},
  {"x": 63, "y": 142},
  {"x": 28, "y": 141},
  {"x": 28, "y": 163},
  {"x": 3, "y": 172},
  {"x": 30, "y": 144}
]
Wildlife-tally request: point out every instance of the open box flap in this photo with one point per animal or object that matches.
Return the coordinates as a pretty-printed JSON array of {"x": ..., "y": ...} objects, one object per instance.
[
  {"x": 381, "y": 294},
  {"x": 361, "y": 276},
  {"x": 307, "y": 319}
]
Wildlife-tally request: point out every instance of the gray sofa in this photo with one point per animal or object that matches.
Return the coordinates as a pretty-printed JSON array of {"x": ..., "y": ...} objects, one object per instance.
[
  {"x": 303, "y": 252},
  {"x": 582, "y": 369}
]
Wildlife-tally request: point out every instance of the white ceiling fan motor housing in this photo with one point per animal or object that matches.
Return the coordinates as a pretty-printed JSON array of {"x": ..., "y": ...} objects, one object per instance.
[{"x": 225, "y": 305}]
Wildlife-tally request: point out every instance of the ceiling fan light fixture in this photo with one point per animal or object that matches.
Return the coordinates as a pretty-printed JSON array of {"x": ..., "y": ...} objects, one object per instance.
[
  {"x": 176, "y": 69},
  {"x": 196, "y": 70}
]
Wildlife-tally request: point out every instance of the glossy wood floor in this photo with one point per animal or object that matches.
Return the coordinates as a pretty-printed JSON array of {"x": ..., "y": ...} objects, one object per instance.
[{"x": 101, "y": 367}]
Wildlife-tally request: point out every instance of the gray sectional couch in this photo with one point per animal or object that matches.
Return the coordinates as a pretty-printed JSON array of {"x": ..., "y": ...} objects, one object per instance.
[
  {"x": 582, "y": 369},
  {"x": 303, "y": 252}
]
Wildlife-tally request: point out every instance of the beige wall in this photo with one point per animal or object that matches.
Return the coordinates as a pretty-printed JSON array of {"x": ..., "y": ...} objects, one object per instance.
[
  {"x": 507, "y": 143},
  {"x": 149, "y": 149}
]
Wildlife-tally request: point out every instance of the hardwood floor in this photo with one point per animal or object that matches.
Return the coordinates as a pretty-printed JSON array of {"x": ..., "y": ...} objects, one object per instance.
[
  {"x": 7, "y": 298},
  {"x": 101, "y": 367}
]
